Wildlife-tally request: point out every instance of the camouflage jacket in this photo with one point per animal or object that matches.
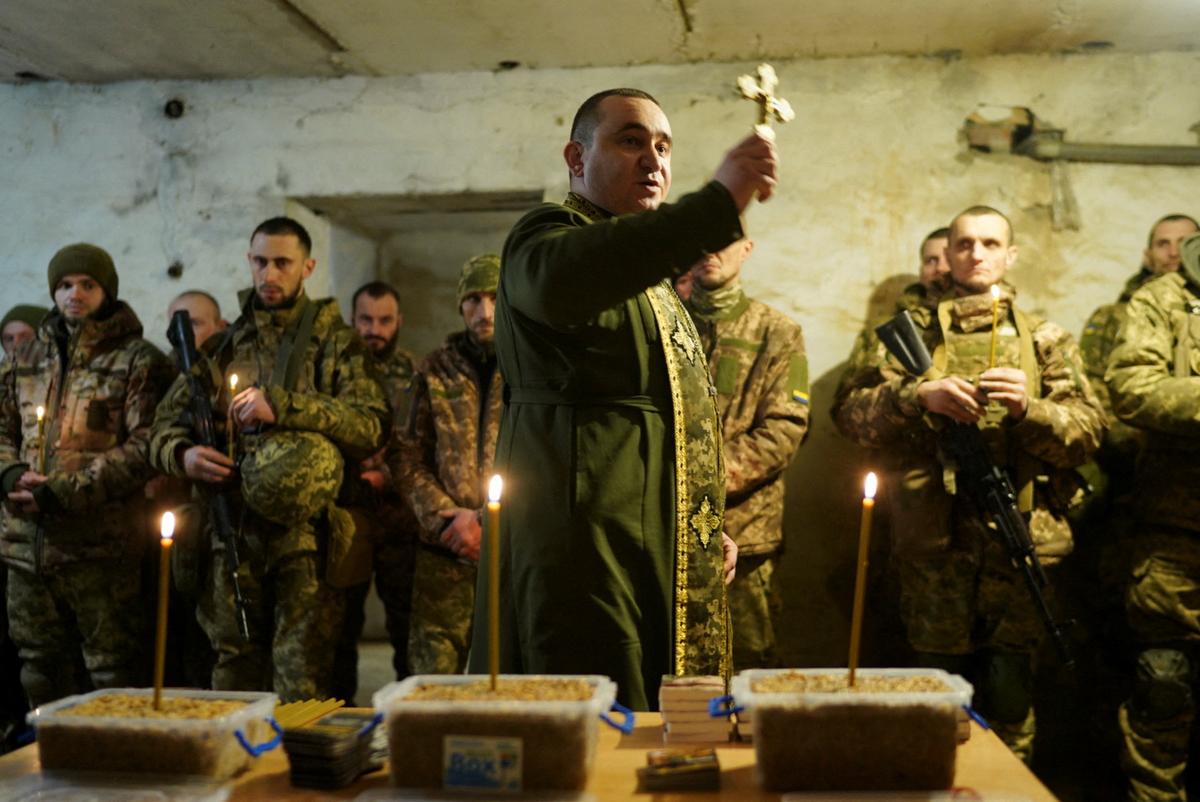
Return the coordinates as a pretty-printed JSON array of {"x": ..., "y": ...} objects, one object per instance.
[
  {"x": 99, "y": 386},
  {"x": 1154, "y": 377},
  {"x": 395, "y": 369},
  {"x": 757, "y": 362},
  {"x": 337, "y": 393},
  {"x": 445, "y": 452},
  {"x": 1061, "y": 428}
]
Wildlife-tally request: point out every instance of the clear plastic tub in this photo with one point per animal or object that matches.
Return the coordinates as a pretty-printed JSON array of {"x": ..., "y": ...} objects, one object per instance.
[
  {"x": 854, "y": 741},
  {"x": 555, "y": 741},
  {"x": 215, "y": 748}
]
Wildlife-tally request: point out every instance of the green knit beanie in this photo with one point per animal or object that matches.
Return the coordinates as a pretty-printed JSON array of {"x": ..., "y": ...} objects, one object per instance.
[
  {"x": 28, "y": 314},
  {"x": 1189, "y": 257},
  {"x": 88, "y": 260},
  {"x": 479, "y": 274}
]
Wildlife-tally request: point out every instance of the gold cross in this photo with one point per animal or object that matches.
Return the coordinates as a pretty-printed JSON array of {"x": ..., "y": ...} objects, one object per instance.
[
  {"x": 762, "y": 91},
  {"x": 706, "y": 522}
]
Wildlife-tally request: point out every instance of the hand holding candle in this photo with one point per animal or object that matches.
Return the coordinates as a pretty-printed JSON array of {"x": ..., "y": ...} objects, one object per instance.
[
  {"x": 230, "y": 432},
  {"x": 995, "y": 323},
  {"x": 860, "y": 580},
  {"x": 493, "y": 533},
  {"x": 164, "y": 582}
]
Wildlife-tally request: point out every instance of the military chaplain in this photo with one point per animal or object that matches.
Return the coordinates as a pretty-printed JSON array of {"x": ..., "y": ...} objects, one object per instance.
[
  {"x": 310, "y": 405},
  {"x": 756, "y": 360},
  {"x": 963, "y": 604},
  {"x": 73, "y": 482},
  {"x": 610, "y": 442}
]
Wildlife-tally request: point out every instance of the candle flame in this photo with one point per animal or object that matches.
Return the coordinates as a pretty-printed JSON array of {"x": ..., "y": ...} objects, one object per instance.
[
  {"x": 41, "y": 413},
  {"x": 870, "y": 485},
  {"x": 494, "y": 487},
  {"x": 233, "y": 380},
  {"x": 168, "y": 525},
  {"x": 995, "y": 292}
]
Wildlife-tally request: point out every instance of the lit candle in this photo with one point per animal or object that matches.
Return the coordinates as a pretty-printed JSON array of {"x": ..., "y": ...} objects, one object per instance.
[
  {"x": 41, "y": 440},
  {"x": 493, "y": 518},
  {"x": 164, "y": 581},
  {"x": 860, "y": 580},
  {"x": 230, "y": 433},
  {"x": 995, "y": 323}
]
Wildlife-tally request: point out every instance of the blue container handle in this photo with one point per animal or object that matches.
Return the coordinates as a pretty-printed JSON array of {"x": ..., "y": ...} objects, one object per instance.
[
  {"x": 255, "y": 751},
  {"x": 370, "y": 725},
  {"x": 723, "y": 706},
  {"x": 978, "y": 719},
  {"x": 625, "y": 726}
]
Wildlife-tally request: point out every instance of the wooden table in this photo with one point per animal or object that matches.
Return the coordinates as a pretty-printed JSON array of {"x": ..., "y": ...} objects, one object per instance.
[{"x": 984, "y": 764}]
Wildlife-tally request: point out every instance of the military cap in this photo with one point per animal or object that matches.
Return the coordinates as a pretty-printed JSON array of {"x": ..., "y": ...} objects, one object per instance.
[
  {"x": 1189, "y": 256},
  {"x": 479, "y": 274},
  {"x": 29, "y": 314},
  {"x": 290, "y": 476},
  {"x": 88, "y": 260}
]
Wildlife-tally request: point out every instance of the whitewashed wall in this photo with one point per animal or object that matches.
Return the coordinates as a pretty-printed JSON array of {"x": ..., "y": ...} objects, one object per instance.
[{"x": 871, "y": 164}]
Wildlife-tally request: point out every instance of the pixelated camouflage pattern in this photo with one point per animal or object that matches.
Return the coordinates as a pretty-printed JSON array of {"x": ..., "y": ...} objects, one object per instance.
[
  {"x": 1154, "y": 377},
  {"x": 100, "y": 396},
  {"x": 757, "y": 363},
  {"x": 443, "y": 605},
  {"x": 867, "y": 347},
  {"x": 395, "y": 370},
  {"x": 72, "y": 611},
  {"x": 754, "y": 607},
  {"x": 289, "y": 476},
  {"x": 337, "y": 396}
]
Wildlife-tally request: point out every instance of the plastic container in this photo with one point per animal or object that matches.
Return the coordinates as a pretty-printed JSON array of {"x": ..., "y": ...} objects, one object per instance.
[
  {"x": 494, "y": 745},
  {"x": 214, "y": 748},
  {"x": 853, "y": 741}
]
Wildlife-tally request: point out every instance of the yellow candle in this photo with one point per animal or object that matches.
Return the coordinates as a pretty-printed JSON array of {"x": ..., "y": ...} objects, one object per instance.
[
  {"x": 164, "y": 581},
  {"x": 493, "y": 510},
  {"x": 230, "y": 433},
  {"x": 995, "y": 323},
  {"x": 860, "y": 580},
  {"x": 41, "y": 440}
]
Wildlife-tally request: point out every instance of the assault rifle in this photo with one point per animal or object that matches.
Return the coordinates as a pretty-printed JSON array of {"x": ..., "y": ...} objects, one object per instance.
[
  {"x": 984, "y": 482},
  {"x": 204, "y": 431}
]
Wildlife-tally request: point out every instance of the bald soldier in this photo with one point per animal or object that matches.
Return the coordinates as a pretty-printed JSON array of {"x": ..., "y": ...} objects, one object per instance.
[
  {"x": 963, "y": 604},
  {"x": 204, "y": 312},
  {"x": 610, "y": 444},
  {"x": 757, "y": 363},
  {"x": 308, "y": 402}
]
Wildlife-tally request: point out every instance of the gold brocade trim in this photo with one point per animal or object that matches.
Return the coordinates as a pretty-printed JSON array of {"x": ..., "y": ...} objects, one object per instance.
[{"x": 681, "y": 488}]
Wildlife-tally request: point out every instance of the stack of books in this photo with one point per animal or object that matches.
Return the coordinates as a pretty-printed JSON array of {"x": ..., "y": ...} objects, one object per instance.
[
  {"x": 334, "y": 750},
  {"x": 683, "y": 702}
]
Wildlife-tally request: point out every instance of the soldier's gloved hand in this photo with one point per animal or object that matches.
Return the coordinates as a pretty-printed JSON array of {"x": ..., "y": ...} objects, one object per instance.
[
  {"x": 953, "y": 397},
  {"x": 206, "y": 464},
  {"x": 1006, "y": 385},
  {"x": 750, "y": 168},
  {"x": 463, "y": 532},
  {"x": 251, "y": 406},
  {"x": 729, "y": 550}
]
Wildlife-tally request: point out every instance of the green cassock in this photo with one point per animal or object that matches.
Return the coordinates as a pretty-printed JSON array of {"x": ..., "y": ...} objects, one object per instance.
[{"x": 610, "y": 450}]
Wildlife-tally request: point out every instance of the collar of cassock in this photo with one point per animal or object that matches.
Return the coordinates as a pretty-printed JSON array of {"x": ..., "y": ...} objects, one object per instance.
[
  {"x": 719, "y": 304},
  {"x": 974, "y": 312},
  {"x": 585, "y": 207}
]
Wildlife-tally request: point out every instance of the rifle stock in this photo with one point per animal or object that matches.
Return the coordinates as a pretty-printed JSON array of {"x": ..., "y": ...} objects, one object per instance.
[{"x": 204, "y": 432}]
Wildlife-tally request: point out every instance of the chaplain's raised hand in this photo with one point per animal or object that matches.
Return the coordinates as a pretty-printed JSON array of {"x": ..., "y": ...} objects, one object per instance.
[{"x": 750, "y": 169}]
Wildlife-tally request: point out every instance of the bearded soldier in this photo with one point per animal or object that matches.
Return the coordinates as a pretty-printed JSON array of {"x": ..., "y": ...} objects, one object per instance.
[
  {"x": 443, "y": 463},
  {"x": 73, "y": 483},
  {"x": 963, "y": 603},
  {"x": 614, "y": 556},
  {"x": 309, "y": 404},
  {"x": 757, "y": 363},
  {"x": 1154, "y": 377}
]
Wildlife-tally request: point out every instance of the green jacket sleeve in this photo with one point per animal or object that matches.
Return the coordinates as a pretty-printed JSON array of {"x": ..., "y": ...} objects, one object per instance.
[
  {"x": 415, "y": 465},
  {"x": 170, "y": 432},
  {"x": 11, "y": 466},
  {"x": 561, "y": 273}
]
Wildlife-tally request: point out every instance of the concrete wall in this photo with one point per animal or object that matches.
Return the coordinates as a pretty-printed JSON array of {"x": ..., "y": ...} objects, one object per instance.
[{"x": 871, "y": 164}]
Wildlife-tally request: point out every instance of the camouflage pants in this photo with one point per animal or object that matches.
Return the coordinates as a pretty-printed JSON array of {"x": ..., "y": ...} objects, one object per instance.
[
  {"x": 294, "y": 618},
  {"x": 753, "y": 607},
  {"x": 1163, "y": 607},
  {"x": 443, "y": 603},
  {"x": 76, "y": 625}
]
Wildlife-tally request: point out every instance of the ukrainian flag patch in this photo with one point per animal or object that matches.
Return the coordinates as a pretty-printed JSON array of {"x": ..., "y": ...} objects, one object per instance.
[{"x": 800, "y": 397}]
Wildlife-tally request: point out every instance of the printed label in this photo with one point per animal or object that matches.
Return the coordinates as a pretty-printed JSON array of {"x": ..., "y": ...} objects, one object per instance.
[{"x": 481, "y": 764}]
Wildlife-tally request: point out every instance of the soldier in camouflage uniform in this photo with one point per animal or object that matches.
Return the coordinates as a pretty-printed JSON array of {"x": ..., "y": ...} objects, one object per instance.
[
  {"x": 442, "y": 465},
  {"x": 757, "y": 363},
  {"x": 19, "y": 326},
  {"x": 1154, "y": 377},
  {"x": 393, "y": 527},
  {"x": 963, "y": 604},
  {"x": 71, "y": 493},
  {"x": 310, "y": 404}
]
